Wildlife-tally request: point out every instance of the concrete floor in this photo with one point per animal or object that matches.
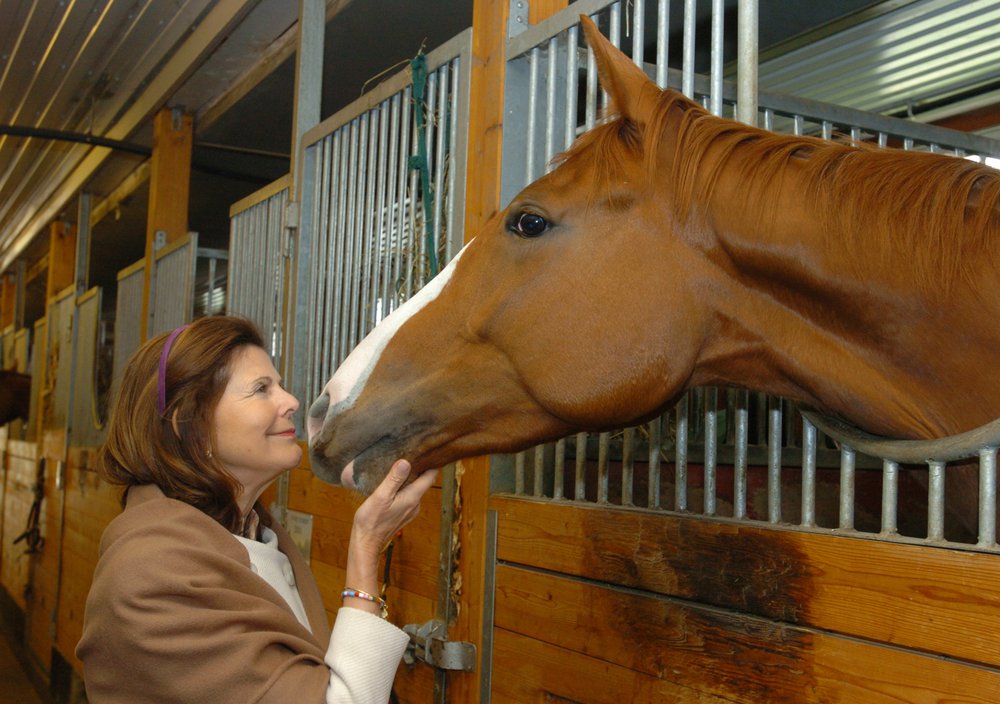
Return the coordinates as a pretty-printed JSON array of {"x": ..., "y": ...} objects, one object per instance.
[{"x": 16, "y": 687}]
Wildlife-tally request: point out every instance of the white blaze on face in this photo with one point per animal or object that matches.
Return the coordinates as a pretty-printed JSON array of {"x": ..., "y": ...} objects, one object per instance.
[{"x": 351, "y": 376}]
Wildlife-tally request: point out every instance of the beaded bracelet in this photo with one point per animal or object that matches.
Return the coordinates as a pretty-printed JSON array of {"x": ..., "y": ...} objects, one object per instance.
[{"x": 358, "y": 594}]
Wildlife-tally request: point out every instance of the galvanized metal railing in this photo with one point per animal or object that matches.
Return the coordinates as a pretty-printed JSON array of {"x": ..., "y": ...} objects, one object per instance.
[
  {"x": 727, "y": 454},
  {"x": 361, "y": 246},
  {"x": 258, "y": 263}
]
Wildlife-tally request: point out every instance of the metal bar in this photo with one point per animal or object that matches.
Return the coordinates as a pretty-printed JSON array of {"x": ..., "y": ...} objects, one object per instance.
[
  {"x": 384, "y": 233},
  {"x": 808, "y": 473},
  {"x": 746, "y": 61},
  {"x": 935, "y": 501},
  {"x": 662, "y": 41},
  {"x": 579, "y": 488},
  {"x": 368, "y": 241},
  {"x": 711, "y": 443},
  {"x": 440, "y": 125},
  {"x": 572, "y": 85},
  {"x": 519, "y": 473},
  {"x": 529, "y": 157},
  {"x": 774, "y": 460},
  {"x": 539, "y": 472},
  {"x": 681, "y": 455},
  {"x": 559, "y": 478},
  {"x": 718, "y": 30},
  {"x": 550, "y": 104},
  {"x": 687, "y": 66},
  {"x": 890, "y": 494},
  {"x": 847, "y": 462},
  {"x": 655, "y": 438},
  {"x": 590, "y": 115},
  {"x": 602, "y": 467},
  {"x": 740, "y": 454},
  {"x": 638, "y": 32},
  {"x": 628, "y": 465},
  {"x": 988, "y": 498}
]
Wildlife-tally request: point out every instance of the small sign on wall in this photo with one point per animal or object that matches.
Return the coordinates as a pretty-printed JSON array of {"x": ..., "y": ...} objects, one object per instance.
[{"x": 300, "y": 527}]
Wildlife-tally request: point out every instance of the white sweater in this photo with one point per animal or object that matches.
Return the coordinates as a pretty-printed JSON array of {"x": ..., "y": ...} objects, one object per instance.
[{"x": 364, "y": 649}]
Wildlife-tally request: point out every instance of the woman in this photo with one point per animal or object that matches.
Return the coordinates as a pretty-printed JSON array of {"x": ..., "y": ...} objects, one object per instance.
[{"x": 198, "y": 596}]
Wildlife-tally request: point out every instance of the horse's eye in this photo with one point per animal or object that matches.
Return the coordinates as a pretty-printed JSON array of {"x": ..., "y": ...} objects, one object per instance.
[{"x": 530, "y": 225}]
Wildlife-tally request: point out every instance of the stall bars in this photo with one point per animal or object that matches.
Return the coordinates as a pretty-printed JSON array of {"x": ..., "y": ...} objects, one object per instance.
[
  {"x": 361, "y": 246},
  {"x": 258, "y": 261}
]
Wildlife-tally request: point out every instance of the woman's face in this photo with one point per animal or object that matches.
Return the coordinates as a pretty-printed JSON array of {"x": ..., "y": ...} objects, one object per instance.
[{"x": 254, "y": 435}]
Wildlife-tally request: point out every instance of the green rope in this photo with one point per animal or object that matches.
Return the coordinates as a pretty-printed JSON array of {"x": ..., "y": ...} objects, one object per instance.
[{"x": 418, "y": 161}]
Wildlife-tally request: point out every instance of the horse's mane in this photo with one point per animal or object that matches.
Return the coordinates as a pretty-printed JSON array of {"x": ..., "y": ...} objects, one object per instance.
[{"x": 931, "y": 211}]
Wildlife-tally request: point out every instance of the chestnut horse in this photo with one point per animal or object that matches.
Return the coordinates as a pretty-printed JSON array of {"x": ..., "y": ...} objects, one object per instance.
[
  {"x": 15, "y": 396},
  {"x": 671, "y": 249}
]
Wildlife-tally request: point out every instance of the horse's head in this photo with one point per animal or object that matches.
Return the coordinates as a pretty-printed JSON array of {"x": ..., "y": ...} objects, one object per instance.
[{"x": 536, "y": 329}]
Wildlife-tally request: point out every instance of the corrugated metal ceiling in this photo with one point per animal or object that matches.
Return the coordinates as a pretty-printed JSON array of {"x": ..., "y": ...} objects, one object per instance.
[{"x": 902, "y": 61}]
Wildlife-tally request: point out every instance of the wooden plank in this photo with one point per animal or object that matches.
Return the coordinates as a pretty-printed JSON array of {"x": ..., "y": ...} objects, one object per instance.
[
  {"x": 530, "y": 670},
  {"x": 18, "y": 496},
  {"x": 169, "y": 189},
  {"x": 90, "y": 504},
  {"x": 62, "y": 258},
  {"x": 539, "y": 10},
  {"x": 922, "y": 597},
  {"x": 724, "y": 653},
  {"x": 415, "y": 550}
]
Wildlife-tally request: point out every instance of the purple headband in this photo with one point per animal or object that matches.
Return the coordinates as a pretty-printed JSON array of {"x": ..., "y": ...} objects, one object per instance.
[{"x": 161, "y": 380}]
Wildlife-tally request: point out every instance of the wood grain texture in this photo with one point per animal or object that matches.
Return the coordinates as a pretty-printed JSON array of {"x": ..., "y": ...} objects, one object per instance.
[
  {"x": 914, "y": 596},
  {"x": 722, "y": 653}
]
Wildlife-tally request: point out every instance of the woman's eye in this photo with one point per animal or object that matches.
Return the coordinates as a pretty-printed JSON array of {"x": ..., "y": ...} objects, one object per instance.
[{"x": 530, "y": 225}]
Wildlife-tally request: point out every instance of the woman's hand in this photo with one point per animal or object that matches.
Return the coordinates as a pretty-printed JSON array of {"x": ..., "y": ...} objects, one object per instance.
[{"x": 390, "y": 507}]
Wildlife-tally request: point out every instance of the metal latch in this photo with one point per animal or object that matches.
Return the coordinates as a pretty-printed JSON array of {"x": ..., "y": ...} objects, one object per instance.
[{"x": 429, "y": 643}]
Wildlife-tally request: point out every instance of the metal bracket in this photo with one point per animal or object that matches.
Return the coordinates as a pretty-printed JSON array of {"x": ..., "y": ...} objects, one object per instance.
[
  {"x": 517, "y": 19},
  {"x": 429, "y": 643}
]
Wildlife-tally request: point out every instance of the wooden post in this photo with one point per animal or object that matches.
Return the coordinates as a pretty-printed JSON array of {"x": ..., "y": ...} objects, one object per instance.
[
  {"x": 169, "y": 187},
  {"x": 62, "y": 258},
  {"x": 489, "y": 38},
  {"x": 8, "y": 299}
]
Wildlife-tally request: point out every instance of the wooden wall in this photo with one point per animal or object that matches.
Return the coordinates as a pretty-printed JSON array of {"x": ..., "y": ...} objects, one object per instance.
[
  {"x": 593, "y": 602},
  {"x": 90, "y": 504},
  {"x": 21, "y": 462}
]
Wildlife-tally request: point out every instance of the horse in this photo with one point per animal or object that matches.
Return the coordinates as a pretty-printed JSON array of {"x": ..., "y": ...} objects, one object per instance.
[
  {"x": 670, "y": 249},
  {"x": 15, "y": 396}
]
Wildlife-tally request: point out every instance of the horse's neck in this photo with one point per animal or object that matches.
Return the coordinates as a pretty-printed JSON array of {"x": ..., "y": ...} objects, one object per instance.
[{"x": 798, "y": 320}]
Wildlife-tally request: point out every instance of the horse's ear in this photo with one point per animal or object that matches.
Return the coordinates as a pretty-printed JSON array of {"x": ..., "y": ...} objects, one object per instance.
[{"x": 632, "y": 94}]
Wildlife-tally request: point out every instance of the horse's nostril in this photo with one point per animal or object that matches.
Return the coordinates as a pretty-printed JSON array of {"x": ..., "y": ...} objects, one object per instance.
[
  {"x": 317, "y": 414},
  {"x": 320, "y": 406}
]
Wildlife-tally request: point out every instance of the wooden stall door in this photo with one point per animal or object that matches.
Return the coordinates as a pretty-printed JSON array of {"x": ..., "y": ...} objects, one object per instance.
[{"x": 596, "y": 605}]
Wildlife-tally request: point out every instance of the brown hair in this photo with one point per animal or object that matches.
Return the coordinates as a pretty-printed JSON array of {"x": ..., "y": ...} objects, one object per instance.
[{"x": 173, "y": 449}]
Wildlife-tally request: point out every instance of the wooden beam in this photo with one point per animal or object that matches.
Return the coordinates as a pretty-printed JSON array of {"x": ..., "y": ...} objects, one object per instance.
[
  {"x": 489, "y": 39},
  {"x": 62, "y": 258},
  {"x": 539, "y": 10},
  {"x": 169, "y": 188},
  {"x": 8, "y": 298}
]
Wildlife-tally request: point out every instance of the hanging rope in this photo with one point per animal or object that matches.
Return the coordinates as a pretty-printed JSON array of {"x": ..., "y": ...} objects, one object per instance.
[{"x": 419, "y": 162}]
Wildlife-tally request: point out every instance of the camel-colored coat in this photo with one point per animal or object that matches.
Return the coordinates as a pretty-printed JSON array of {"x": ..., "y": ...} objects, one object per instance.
[{"x": 175, "y": 614}]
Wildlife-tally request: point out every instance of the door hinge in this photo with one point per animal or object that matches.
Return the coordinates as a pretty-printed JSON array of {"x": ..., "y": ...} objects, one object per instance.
[{"x": 429, "y": 643}]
